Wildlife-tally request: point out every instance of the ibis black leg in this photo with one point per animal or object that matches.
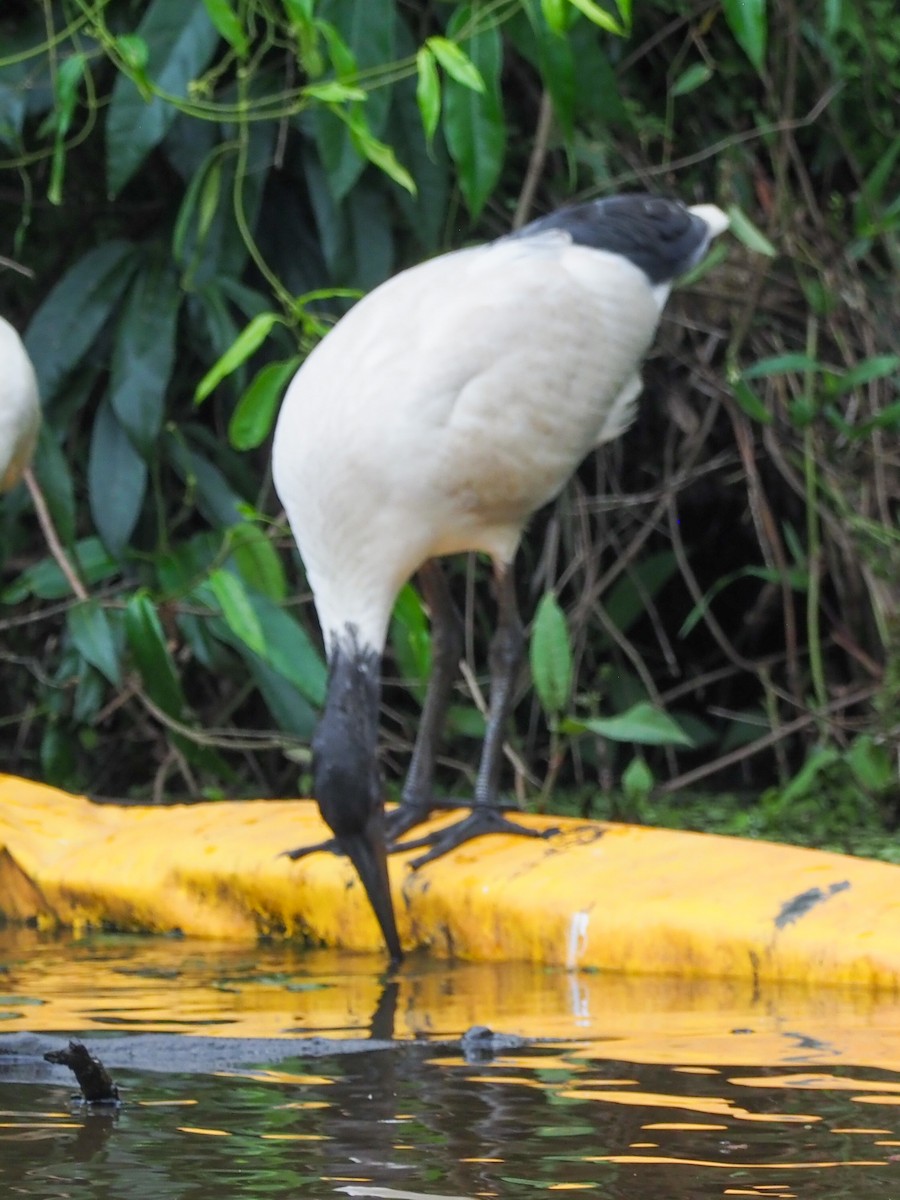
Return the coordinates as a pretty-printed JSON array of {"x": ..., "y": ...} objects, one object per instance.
[
  {"x": 507, "y": 648},
  {"x": 417, "y": 799}
]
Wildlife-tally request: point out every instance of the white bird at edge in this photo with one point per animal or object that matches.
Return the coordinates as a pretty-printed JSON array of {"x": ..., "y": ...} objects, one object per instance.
[
  {"x": 20, "y": 409},
  {"x": 443, "y": 410}
]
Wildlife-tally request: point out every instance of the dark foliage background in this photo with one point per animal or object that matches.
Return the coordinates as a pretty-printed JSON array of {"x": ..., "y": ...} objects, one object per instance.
[{"x": 192, "y": 190}]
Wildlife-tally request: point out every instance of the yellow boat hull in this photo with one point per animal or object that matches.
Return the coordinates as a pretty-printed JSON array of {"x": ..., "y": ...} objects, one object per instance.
[{"x": 597, "y": 896}]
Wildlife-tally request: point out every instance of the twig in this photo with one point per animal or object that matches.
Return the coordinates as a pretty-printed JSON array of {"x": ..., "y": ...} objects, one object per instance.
[
  {"x": 12, "y": 265},
  {"x": 51, "y": 537},
  {"x": 536, "y": 160},
  {"x": 763, "y": 743},
  {"x": 218, "y": 738},
  {"x": 735, "y": 139}
]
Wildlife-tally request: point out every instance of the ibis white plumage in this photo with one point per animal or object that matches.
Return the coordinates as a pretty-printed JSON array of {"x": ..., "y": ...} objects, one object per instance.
[
  {"x": 20, "y": 410},
  {"x": 436, "y": 417}
]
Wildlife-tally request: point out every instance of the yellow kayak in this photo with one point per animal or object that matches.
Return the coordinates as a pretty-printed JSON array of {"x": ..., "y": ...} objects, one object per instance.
[{"x": 597, "y": 896}]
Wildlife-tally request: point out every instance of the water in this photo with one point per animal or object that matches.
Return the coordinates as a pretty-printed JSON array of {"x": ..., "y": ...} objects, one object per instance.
[{"x": 312, "y": 1075}]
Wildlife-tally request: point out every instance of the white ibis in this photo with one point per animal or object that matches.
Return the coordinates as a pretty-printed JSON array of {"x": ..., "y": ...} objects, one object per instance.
[
  {"x": 444, "y": 409},
  {"x": 20, "y": 410}
]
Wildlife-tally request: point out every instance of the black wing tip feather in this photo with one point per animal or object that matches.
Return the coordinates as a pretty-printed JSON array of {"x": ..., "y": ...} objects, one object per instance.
[{"x": 659, "y": 235}]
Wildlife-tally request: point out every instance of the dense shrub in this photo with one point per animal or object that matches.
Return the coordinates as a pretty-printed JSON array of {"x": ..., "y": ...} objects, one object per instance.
[{"x": 192, "y": 190}]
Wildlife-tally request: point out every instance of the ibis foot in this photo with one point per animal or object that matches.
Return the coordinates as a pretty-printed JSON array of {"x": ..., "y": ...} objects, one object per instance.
[
  {"x": 330, "y": 846},
  {"x": 410, "y": 813},
  {"x": 481, "y": 820}
]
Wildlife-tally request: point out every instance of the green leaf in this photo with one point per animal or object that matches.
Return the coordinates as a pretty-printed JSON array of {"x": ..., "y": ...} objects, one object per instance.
[
  {"x": 598, "y": 88},
  {"x": 637, "y": 780},
  {"x": 300, "y": 10},
  {"x": 68, "y": 79},
  {"x": 797, "y": 578},
  {"x": 553, "y": 58},
  {"x": 369, "y": 235},
  {"x": 246, "y": 343},
  {"x": 871, "y": 764},
  {"x": 694, "y": 77},
  {"x": 473, "y": 122},
  {"x": 628, "y": 599},
  {"x": 54, "y": 474},
  {"x": 868, "y": 209},
  {"x": 465, "y": 720},
  {"x": 291, "y": 710},
  {"x": 332, "y": 92},
  {"x": 288, "y": 649},
  {"x": 820, "y": 758},
  {"x": 91, "y": 693},
  {"x": 551, "y": 656},
  {"x": 257, "y": 561},
  {"x": 134, "y": 52},
  {"x": 428, "y": 91},
  {"x": 147, "y": 643},
  {"x": 117, "y": 481},
  {"x": 748, "y": 400},
  {"x": 144, "y": 354},
  {"x": 253, "y": 418},
  {"x": 425, "y": 214},
  {"x": 215, "y": 498},
  {"x": 780, "y": 364},
  {"x": 748, "y": 22},
  {"x": 57, "y": 755},
  {"x": 46, "y": 581},
  {"x": 92, "y": 636},
  {"x": 411, "y": 638},
  {"x": 556, "y": 14},
  {"x": 599, "y": 16},
  {"x": 642, "y": 723},
  {"x": 877, "y": 367},
  {"x": 887, "y": 418},
  {"x": 456, "y": 63},
  {"x": 748, "y": 234},
  {"x": 181, "y": 41},
  {"x": 226, "y": 20},
  {"x": 378, "y": 153},
  {"x": 343, "y": 58},
  {"x": 237, "y": 610},
  {"x": 74, "y": 312},
  {"x": 208, "y": 200},
  {"x": 198, "y": 208},
  {"x": 65, "y": 92},
  {"x": 369, "y": 32}
]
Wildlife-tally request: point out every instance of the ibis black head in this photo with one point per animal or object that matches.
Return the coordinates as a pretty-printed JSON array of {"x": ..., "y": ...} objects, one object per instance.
[
  {"x": 661, "y": 236},
  {"x": 346, "y": 780}
]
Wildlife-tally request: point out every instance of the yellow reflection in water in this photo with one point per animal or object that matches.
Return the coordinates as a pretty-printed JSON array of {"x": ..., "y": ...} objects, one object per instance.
[
  {"x": 854, "y": 1130},
  {"x": 267, "y": 1075},
  {"x": 681, "y": 1125},
  {"x": 669, "y": 1160},
  {"x": 166, "y": 985},
  {"x": 585, "y": 1023},
  {"x": 809, "y": 1082},
  {"x": 712, "y": 1105},
  {"x": 782, "y": 1192},
  {"x": 293, "y": 1137}
]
